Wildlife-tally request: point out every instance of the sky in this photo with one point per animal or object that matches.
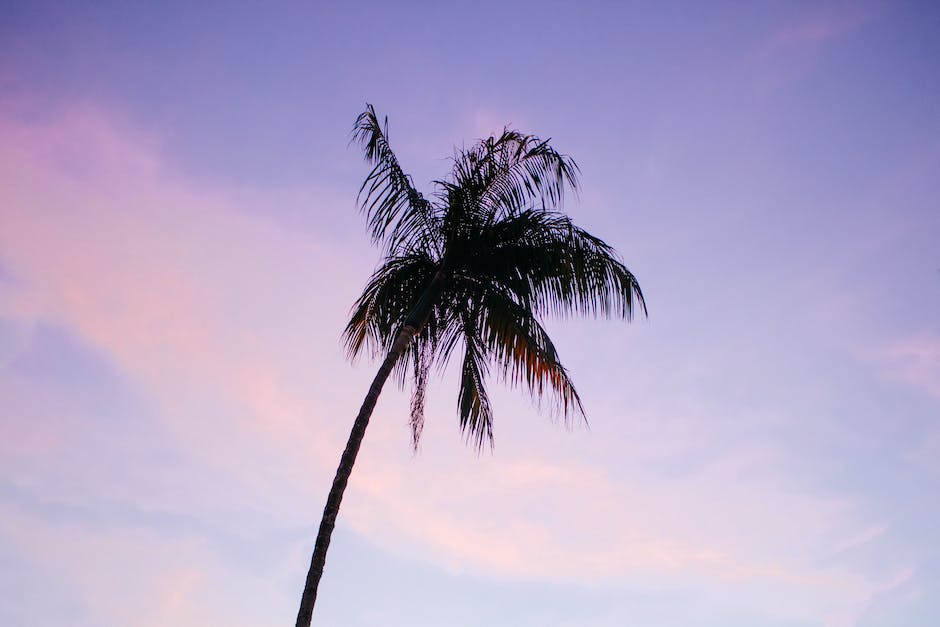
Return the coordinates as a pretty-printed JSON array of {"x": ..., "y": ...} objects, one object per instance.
[{"x": 180, "y": 246}]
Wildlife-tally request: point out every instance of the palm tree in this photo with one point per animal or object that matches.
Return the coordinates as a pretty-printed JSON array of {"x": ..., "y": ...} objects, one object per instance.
[{"x": 476, "y": 267}]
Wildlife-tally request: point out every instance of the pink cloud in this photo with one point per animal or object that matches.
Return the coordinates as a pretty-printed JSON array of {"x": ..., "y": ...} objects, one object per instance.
[
  {"x": 916, "y": 361},
  {"x": 189, "y": 296},
  {"x": 230, "y": 323},
  {"x": 792, "y": 50},
  {"x": 136, "y": 576},
  {"x": 814, "y": 30}
]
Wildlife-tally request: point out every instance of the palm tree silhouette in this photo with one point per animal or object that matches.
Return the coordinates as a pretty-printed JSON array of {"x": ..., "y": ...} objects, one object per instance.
[{"x": 476, "y": 267}]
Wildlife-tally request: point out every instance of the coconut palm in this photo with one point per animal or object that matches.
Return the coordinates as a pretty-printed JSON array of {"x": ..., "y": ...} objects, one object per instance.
[{"x": 472, "y": 271}]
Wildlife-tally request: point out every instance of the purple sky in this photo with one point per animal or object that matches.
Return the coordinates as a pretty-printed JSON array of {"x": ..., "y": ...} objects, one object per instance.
[{"x": 179, "y": 248}]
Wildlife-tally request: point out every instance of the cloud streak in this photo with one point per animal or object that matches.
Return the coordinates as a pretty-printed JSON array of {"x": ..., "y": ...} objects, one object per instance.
[{"x": 227, "y": 325}]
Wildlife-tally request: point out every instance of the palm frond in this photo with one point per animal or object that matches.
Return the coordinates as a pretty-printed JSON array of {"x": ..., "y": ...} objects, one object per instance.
[
  {"x": 509, "y": 173},
  {"x": 561, "y": 269},
  {"x": 380, "y": 310},
  {"x": 421, "y": 363},
  {"x": 473, "y": 403},
  {"x": 399, "y": 217},
  {"x": 525, "y": 354}
]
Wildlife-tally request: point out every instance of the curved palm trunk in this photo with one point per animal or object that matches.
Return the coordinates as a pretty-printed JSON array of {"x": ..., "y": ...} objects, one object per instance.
[
  {"x": 413, "y": 324},
  {"x": 342, "y": 477}
]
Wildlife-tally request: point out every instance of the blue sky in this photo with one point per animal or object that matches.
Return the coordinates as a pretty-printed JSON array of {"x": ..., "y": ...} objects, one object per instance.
[{"x": 179, "y": 247}]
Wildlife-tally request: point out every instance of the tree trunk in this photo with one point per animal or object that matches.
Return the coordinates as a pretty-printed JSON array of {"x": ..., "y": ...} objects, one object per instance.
[{"x": 412, "y": 326}]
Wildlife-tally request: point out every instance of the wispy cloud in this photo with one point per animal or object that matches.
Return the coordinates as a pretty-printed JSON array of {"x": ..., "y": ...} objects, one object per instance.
[
  {"x": 130, "y": 576},
  {"x": 228, "y": 323},
  {"x": 816, "y": 29},
  {"x": 915, "y": 361},
  {"x": 793, "y": 49}
]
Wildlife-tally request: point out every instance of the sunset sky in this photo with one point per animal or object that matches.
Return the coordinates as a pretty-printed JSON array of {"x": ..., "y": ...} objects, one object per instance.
[{"x": 180, "y": 246}]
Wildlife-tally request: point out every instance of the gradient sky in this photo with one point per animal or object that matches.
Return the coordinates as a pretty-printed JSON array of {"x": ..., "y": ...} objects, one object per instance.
[{"x": 179, "y": 248}]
